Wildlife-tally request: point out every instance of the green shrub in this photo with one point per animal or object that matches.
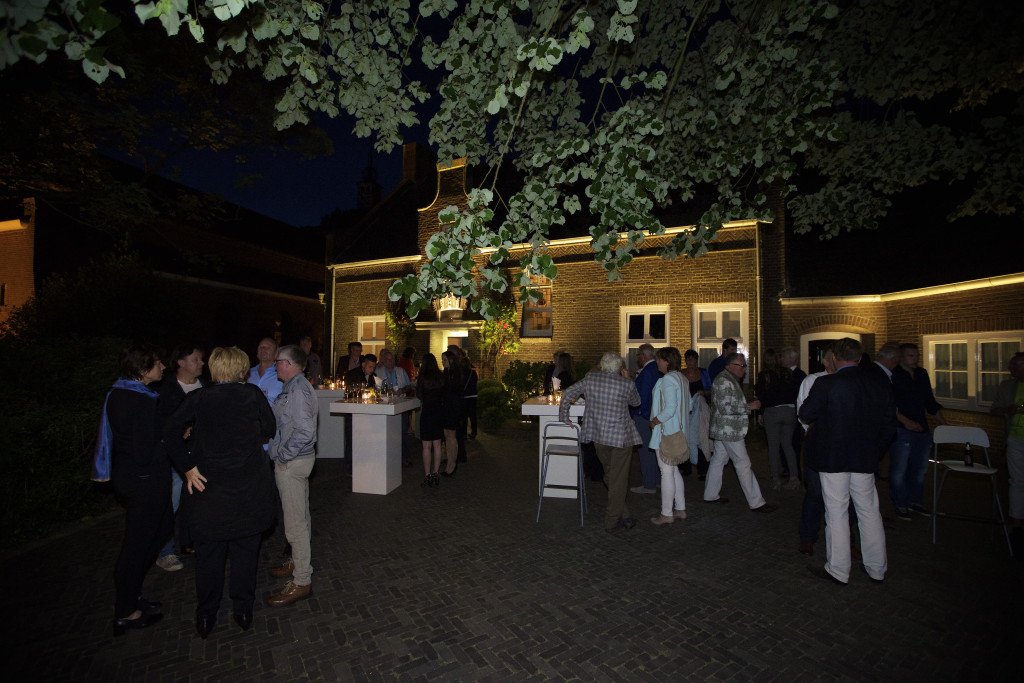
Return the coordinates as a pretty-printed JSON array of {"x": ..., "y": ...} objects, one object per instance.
[
  {"x": 52, "y": 391},
  {"x": 493, "y": 404},
  {"x": 524, "y": 380}
]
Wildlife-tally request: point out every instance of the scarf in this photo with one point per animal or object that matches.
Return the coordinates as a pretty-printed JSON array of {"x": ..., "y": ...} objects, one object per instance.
[{"x": 105, "y": 436}]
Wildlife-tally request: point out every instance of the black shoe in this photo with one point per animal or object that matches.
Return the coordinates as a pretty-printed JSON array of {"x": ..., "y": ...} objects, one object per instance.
[
  {"x": 205, "y": 624},
  {"x": 436, "y": 479},
  {"x": 188, "y": 550},
  {"x": 145, "y": 621},
  {"x": 822, "y": 574},
  {"x": 428, "y": 481},
  {"x": 627, "y": 522},
  {"x": 720, "y": 499},
  {"x": 243, "y": 619},
  {"x": 766, "y": 508},
  {"x": 149, "y": 605},
  {"x": 454, "y": 470}
]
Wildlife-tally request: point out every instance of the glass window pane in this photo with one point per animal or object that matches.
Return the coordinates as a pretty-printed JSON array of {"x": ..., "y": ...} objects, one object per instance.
[
  {"x": 731, "y": 324},
  {"x": 656, "y": 326},
  {"x": 631, "y": 359},
  {"x": 367, "y": 332},
  {"x": 989, "y": 356},
  {"x": 636, "y": 327},
  {"x": 942, "y": 356},
  {"x": 959, "y": 385},
  {"x": 958, "y": 353},
  {"x": 1007, "y": 349},
  {"x": 708, "y": 325},
  {"x": 942, "y": 384},
  {"x": 378, "y": 332},
  {"x": 989, "y": 382},
  {"x": 707, "y": 354},
  {"x": 536, "y": 322}
]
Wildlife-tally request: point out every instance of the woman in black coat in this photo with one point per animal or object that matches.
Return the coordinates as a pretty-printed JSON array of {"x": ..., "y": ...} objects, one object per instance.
[
  {"x": 231, "y": 491},
  {"x": 141, "y": 475}
]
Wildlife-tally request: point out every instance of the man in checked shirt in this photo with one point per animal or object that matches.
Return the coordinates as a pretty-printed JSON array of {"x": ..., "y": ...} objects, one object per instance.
[{"x": 609, "y": 393}]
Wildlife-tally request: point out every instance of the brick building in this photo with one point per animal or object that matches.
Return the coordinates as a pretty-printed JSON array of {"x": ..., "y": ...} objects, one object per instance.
[
  {"x": 17, "y": 264},
  {"x": 685, "y": 302},
  {"x": 965, "y": 330},
  {"x": 236, "y": 289}
]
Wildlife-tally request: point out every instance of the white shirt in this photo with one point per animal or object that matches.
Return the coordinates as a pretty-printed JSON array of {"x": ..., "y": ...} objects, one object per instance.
[
  {"x": 805, "y": 389},
  {"x": 190, "y": 387}
]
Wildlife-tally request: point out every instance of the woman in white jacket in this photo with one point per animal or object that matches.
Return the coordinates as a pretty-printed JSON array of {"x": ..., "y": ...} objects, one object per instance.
[{"x": 668, "y": 410}]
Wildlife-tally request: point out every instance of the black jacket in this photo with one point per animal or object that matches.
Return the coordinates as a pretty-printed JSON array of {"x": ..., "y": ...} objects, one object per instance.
[
  {"x": 135, "y": 451},
  {"x": 230, "y": 423},
  {"x": 853, "y": 418}
]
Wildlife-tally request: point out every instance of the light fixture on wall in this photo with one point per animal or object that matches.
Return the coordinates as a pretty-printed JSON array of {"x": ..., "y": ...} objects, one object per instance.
[{"x": 449, "y": 307}]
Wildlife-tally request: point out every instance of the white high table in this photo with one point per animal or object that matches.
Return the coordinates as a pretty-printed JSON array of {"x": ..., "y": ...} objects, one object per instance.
[
  {"x": 376, "y": 443},
  {"x": 561, "y": 468}
]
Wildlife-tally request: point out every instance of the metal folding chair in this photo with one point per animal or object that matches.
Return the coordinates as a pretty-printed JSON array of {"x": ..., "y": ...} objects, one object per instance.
[
  {"x": 978, "y": 438},
  {"x": 562, "y": 440}
]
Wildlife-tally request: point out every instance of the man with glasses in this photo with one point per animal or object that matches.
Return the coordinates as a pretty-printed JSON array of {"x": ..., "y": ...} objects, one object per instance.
[
  {"x": 729, "y": 423},
  {"x": 293, "y": 451}
]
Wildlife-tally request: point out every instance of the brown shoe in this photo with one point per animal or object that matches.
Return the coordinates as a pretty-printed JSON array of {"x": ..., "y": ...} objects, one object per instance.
[
  {"x": 290, "y": 594},
  {"x": 283, "y": 571}
]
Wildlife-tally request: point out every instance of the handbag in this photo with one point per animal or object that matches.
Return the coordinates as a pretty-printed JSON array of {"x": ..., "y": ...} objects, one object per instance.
[{"x": 674, "y": 449}]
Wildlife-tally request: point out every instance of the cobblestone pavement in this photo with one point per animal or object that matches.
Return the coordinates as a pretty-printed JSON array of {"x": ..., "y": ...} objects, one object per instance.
[{"x": 459, "y": 583}]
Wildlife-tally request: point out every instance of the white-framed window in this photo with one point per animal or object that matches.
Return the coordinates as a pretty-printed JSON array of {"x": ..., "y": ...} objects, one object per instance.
[
  {"x": 371, "y": 333},
  {"x": 537, "y": 315},
  {"x": 714, "y": 323},
  {"x": 642, "y": 325},
  {"x": 966, "y": 369}
]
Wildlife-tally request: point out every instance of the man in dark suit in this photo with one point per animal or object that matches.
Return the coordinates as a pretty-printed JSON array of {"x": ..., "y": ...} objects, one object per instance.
[
  {"x": 852, "y": 415},
  {"x": 364, "y": 374}
]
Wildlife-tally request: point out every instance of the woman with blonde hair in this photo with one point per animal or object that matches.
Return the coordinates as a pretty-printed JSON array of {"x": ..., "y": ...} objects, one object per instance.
[
  {"x": 231, "y": 492},
  {"x": 669, "y": 406}
]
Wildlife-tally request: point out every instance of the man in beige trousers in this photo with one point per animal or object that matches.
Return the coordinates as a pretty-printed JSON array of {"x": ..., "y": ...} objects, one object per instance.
[{"x": 293, "y": 451}]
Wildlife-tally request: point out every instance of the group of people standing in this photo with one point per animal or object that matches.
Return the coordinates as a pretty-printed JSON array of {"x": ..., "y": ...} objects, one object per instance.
[
  {"x": 447, "y": 392},
  {"x": 853, "y": 413},
  {"x": 227, "y": 443}
]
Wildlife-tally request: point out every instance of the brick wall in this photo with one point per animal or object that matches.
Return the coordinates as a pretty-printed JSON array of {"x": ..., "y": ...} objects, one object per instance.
[
  {"x": 451, "y": 183},
  {"x": 17, "y": 258},
  {"x": 586, "y": 306},
  {"x": 898, "y": 318}
]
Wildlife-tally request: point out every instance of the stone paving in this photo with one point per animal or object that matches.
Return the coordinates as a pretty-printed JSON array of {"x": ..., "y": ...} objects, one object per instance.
[{"x": 459, "y": 583}]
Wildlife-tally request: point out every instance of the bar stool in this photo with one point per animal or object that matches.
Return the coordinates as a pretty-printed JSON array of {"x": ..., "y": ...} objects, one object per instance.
[{"x": 563, "y": 440}]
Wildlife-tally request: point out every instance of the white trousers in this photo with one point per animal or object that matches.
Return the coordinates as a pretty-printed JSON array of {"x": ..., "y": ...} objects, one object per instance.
[
  {"x": 838, "y": 489},
  {"x": 737, "y": 452},
  {"x": 671, "y": 489}
]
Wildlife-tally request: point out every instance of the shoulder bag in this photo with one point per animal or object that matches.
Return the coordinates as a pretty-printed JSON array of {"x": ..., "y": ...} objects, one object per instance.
[{"x": 674, "y": 449}]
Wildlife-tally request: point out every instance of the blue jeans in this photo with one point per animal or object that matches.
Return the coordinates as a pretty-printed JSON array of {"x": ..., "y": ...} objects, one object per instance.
[
  {"x": 813, "y": 506},
  {"x": 648, "y": 460},
  {"x": 168, "y": 548},
  {"x": 909, "y": 464}
]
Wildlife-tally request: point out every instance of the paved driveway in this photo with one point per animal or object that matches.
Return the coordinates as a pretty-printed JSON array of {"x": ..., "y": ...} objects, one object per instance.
[{"x": 459, "y": 583}]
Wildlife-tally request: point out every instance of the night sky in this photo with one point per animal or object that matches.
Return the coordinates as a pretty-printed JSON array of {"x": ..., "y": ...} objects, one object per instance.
[{"x": 291, "y": 188}]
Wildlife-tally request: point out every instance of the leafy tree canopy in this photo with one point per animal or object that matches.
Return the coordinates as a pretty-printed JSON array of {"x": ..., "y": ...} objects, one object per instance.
[{"x": 612, "y": 110}]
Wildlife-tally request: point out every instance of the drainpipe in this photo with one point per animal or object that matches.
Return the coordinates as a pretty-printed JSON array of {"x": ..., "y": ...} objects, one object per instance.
[
  {"x": 757, "y": 279},
  {"x": 333, "y": 291}
]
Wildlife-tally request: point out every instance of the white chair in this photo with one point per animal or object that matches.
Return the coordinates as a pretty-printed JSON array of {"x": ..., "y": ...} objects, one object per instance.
[
  {"x": 562, "y": 440},
  {"x": 978, "y": 438}
]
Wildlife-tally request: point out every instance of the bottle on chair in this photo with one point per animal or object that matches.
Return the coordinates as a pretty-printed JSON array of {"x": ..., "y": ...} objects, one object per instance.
[{"x": 968, "y": 456}]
